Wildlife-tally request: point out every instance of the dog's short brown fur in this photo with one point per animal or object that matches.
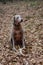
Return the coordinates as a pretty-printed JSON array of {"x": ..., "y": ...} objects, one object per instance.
[{"x": 17, "y": 35}]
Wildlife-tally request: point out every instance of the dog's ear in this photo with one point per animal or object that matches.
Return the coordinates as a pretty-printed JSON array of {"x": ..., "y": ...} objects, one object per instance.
[
  {"x": 14, "y": 18},
  {"x": 14, "y": 21}
]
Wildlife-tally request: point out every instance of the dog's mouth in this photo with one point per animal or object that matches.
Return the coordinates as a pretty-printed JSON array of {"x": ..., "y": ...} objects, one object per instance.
[{"x": 17, "y": 23}]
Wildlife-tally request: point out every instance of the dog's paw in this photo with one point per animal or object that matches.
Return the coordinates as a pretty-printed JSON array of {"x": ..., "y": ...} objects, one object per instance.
[{"x": 14, "y": 49}]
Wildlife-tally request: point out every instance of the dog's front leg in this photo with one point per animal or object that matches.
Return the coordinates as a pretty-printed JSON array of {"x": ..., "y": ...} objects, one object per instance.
[
  {"x": 23, "y": 43},
  {"x": 14, "y": 46},
  {"x": 23, "y": 40},
  {"x": 13, "y": 41}
]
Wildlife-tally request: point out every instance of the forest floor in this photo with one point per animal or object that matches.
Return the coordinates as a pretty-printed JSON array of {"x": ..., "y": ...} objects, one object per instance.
[{"x": 33, "y": 13}]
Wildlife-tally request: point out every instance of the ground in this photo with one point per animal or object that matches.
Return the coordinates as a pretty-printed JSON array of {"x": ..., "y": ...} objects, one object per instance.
[{"x": 33, "y": 13}]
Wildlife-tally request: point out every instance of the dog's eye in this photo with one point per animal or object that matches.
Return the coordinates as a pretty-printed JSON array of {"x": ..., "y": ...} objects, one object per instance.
[{"x": 17, "y": 17}]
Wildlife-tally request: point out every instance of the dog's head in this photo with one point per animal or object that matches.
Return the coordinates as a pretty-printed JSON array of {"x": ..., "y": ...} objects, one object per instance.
[{"x": 17, "y": 19}]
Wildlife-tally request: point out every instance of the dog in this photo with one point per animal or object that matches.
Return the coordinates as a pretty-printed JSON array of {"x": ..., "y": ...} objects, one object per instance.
[{"x": 17, "y": 36}]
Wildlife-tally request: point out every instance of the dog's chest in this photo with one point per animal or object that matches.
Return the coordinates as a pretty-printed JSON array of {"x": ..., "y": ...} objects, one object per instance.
[{"x": 18, "y": 34}]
